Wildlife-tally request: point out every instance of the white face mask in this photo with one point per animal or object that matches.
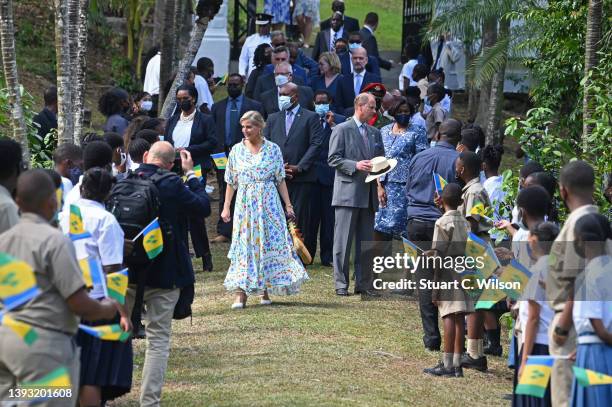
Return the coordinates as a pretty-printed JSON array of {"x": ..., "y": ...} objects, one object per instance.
[
  {"x": 281, "y": 80},
  {"x": 146, "y": 105},
  {"x": 284, "y": 102}
]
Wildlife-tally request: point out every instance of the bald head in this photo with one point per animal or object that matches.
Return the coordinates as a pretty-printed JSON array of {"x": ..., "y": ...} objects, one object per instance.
[
  {"x": 387, "y": 101},
  {"x": 160, "y": 154},
  {"x": 289, "y": 89},
  {"x": 36, "y": 193},
  {"x": 450, "y": 131}
]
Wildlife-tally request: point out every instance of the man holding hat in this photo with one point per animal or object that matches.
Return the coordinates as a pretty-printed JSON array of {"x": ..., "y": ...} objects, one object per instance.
[
  {"x": 245, "y": 62},
  {"x": 352, "y": 146}
]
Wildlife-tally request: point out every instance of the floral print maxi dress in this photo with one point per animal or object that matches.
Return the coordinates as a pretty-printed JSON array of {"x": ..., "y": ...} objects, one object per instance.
[{"x": 262, "y": 255}]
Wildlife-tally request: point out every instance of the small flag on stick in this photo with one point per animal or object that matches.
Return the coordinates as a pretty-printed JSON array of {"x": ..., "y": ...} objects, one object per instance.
[
  {"x": 152, "y": 240},
  {"x": 220, "y": 160},
  {"x": 77, "y": 230},
  {"x": 586, "y": 377},
  {"x": 535, "y": 376},
  {"x": 23, "y": 330},
  {"x": 439, "y": 183},
  {"x": 117, "y": 284},
  {"x": 106, "y": 332},
  {"x": 57, "y": 378},
  {"x": 17, "y": 282}
]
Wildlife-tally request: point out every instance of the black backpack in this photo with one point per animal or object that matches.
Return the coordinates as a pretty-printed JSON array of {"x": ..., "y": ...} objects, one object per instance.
[{"x": 134, "y": 200}]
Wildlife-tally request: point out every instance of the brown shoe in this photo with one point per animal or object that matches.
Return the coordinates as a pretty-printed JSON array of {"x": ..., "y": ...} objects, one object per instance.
[{"x": 220, "y": 239}]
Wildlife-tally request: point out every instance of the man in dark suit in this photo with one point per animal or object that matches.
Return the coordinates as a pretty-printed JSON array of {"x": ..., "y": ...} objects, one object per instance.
[
  {"x": 369, "y": 40},
  {"x": 323, "y": 214},
  {"x": 346, "y": 64},
  {"x": 351, "y": 147},
  {"x": 326, "y": 39},
  {"x": 226, "y": 115},
  {"x": 353, "y": 84},
  {"x": 47, "y": 118},
  {"x": 283, "y": 73},
  {"x": 298, "y": 133},
  {"x": 350, "y": 23},
  {"x": 267, "y": 80}
]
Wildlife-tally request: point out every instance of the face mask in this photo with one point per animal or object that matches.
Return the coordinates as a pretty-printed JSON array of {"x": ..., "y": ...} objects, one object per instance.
[
  {"x": 186, "y": 105},
  {"x": 74, "y": 174},
  {"x": 322, "y": 109},
  {"x": 281, "y": 80},
  {"x": 340, "y": 50},
  {"x": 161, "y": 137},
  {"x": 146, "y": 105},
  {"x": 234, "y": 91},
  {"x": 432, "y": 143},
  {"x": 123, "y": 158},
  {"x": 403, "y": 119},
  {"x": 284, "y": 102},
  {"x": 354, "y": 45}
]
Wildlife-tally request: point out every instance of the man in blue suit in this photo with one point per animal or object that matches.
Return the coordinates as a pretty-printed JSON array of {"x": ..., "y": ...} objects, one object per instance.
[
  {"x": 226, "y": 115},
  {"x": 354, "y": 41},
  {"x": 353, "y": 84},
  {"x": 266, "y": 81},
  {"x": 323, "y": 212}
]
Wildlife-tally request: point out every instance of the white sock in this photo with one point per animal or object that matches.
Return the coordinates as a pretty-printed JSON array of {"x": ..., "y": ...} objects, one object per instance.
[
  {"x": 456, "y": 359},
  {"x": 480, "y": 347},
  {"x": 472, "y": 348},
  {"x": 448, "y": 360}
]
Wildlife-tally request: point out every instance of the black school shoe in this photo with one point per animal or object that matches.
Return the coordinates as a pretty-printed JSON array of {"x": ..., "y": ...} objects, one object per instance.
[
  {"x": 469, "y": 362},
  {"x": 493, "y": 350},
  {"x": 458, "y": 371},
  {"x": 440, "y": 370}
]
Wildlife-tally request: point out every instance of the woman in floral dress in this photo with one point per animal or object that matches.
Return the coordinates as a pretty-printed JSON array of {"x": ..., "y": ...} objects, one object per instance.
[
  {"x": 280, "y": 10},
  {"x": 263, "y": 260},
  {"x": 402, "y": 140}
]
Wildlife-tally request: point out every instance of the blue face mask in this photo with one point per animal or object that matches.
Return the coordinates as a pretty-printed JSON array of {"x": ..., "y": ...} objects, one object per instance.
[
  {"x": 354, "y": 45},
  {"x": 403, "y": 119},
  {"x": 322, "y": 109},
  {"x": 284, "y": 102},
  {"x": 74, "y": 175}
]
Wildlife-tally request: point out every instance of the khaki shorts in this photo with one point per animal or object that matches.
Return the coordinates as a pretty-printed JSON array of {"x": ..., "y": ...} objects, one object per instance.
[{"x": 446, "y": 308}]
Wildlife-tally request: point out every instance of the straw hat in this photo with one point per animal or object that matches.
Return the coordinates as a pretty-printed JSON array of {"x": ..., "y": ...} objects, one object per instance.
[{"x": 380, "y": 166}]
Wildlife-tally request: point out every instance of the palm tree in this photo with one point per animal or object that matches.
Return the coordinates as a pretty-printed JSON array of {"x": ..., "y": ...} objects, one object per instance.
[
  {"x": 79, "y": 65},
  {"x": 167, "y": 47},
  {"x": 65, "y": 122},
  {"x": 496, "y": 98},
  {"x": 7, "y": 40},
  {"x": 205, "y": 10},
  {"x": 592, "y": 45}
]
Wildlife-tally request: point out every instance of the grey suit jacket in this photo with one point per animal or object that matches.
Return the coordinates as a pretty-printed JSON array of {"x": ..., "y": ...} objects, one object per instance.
[{"x": 346, "y": 148}]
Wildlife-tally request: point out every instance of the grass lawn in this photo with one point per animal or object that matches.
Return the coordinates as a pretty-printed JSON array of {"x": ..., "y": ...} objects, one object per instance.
[{"x": 311, "y": 349}]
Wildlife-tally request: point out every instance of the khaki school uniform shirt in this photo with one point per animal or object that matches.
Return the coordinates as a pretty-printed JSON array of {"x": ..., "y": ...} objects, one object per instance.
[
  {"x": 51, "y": 256},
  {"x": 473, "y": 193},
  {"x": 9, "y": 213},
  {"x": 564, "y": 263},
  {"x": 435, "y": 115}
]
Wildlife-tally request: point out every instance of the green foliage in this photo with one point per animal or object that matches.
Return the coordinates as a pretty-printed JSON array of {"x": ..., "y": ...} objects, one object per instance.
[{"x": 123, "y": 74}]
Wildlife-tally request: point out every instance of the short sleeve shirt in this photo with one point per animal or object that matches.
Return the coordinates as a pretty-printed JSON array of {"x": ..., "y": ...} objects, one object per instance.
[
  {"x": 57, "y": 272},
  {"x": 450, "y": 234},
  {"x": 9, "y": 213},
  {"x": 435, "y": 116},
  {"x": 535, "y": 291},
  {"x": 474, "y": 193}
]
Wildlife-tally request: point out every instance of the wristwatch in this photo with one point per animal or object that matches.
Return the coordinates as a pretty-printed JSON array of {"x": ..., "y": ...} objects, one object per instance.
[
  {"x": 189, "y": 175},
  {"x": 560, "y": 331}
]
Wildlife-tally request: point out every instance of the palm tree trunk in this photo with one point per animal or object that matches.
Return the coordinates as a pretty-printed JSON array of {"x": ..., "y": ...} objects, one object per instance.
[
  {"x": 192, "y": 49},
  {"x": 158, "y": 22},
  {"x": 167, "y": 48},
  {"x": 489, "y": 37},
  {"x": 496, "y": 100},
  {"x": 65, "y": 124},
  {"x": 9, "y": 62},
  {"x": 80, "y": 65},
  {"x": 593, "y": 39},
  {"x": 472, "y": 91}
]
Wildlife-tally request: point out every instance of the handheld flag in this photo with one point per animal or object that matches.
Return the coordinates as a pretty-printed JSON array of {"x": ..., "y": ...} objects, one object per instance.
[
  {"x": 478, "y": 209},
  {"x": 77, "y": 230},
  {"x": 57, "y": 378},
  {"x": 515, "y": 272},
  {"x": 152, "y": 239},
  {"x": 92, "y": 272},
  {"x": 106, "y": 332},
  {"x": 117, "y": 284},
  {"x": 223, "y": 80},
  {"x": 535, "y": 376},
  {"x": 490, "y": 296},
  {"x": 198, "y": 171},
  {"x": 410, "y": 248},
  {"x": 586, "y": 377},
  {"x": 220, "y": 160},
  {"x": 439, "y": 183},
  {"x": 23, "y": 330},
  {"x": 59, "y": 195},
  {"x": 17, "y": 282},
  {"x": 475, "y": 247}
]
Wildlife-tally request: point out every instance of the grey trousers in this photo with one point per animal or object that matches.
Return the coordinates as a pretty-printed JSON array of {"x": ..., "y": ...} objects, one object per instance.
[{"x": 350, "y": 223}]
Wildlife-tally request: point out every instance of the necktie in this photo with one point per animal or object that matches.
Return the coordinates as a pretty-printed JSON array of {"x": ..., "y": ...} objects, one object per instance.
[
  {"x": 358, "y": 80},
  {"x": 288, "y": 122},
  {"x": 231, "y": 135},
  {"x": 364, "y": 136},
  {"x": 333, "y": 44}
]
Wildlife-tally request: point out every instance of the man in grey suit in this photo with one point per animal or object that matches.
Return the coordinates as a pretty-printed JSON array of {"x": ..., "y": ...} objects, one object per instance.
[
  {"x": 351, "y": 147},
  {"x": 299, "y": 134}
]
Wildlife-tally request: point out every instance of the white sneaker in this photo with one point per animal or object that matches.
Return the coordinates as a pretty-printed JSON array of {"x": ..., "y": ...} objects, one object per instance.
[
  {"x": 265, "y": 302},
  {"x": 237, "y": 305}
]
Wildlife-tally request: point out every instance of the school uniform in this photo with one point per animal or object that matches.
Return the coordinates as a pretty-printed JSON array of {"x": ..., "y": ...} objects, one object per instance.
[
  {"x": 593, "y": 301},
  {"x": 432, "y": 117},
  {"x": 450, "y": 235},
  {"x": 52, "y": 257},
  {"x": 107, "y": 364},
  {"x": 474, "y": 193}
]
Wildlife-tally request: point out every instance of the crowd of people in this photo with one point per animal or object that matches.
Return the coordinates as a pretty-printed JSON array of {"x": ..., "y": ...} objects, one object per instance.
[{"x": 319, "y": 143}]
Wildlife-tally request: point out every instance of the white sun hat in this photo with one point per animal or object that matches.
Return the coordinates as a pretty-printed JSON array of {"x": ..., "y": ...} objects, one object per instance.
[{"x": 380, "y": 166}]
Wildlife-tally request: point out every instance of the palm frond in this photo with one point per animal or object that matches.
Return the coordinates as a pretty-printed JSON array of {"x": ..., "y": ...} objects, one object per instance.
[{"x": 490, "y": 61}]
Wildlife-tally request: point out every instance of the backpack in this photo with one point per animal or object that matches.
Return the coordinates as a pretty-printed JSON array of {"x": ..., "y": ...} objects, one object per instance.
[{"x": 134, "y": 201}]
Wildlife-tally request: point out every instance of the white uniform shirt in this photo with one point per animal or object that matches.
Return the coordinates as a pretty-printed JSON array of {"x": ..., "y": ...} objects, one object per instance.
[
  {"x": 204, "y": 95},
  {"x": 66, "y": 186},
  {"x": 493, "y": 186},
  {"x": 444, "y": 103},
  {"x": 407, "y": 72},
  {"x": 151, "y": 81},
  {"x": 593, "y": 299},
  {"x": 535, "y": 291},
  {"x": 69, "y": 199},
  {"x": 245, "y": 61},
  {"x": 107, "y": 236}
]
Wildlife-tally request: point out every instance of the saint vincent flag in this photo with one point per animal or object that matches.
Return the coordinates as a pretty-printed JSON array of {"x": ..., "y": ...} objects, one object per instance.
[
  {"x": 59, "y": 195},
  {"x": 515, "y": 272},
  {"x": 198, "y": 171},
  {"x": 77, "y": 230},
  {"x": 475, "y": 246},
  {"x": 17, "y": 282},
  {"x": 439, "y": 183},
  {"x": 478, "y": 209},
  {"x": 490, "y": 297},
  {"x": 410, "y": 248},
  {"x": 106, "y": 332},
  {"x": 220, "y": 160},
  {"x": 23, "y": 330},
  {"x": 57, "y": 378},
  {"x": 586, "y": 377},
  {"x": 152, "y": 239},
  {"x": 92, "y": 272},
  {"x": 536, "y": 373},
  {"x": 116, "y": 284},
  {"x": 491, "y": 262}
]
